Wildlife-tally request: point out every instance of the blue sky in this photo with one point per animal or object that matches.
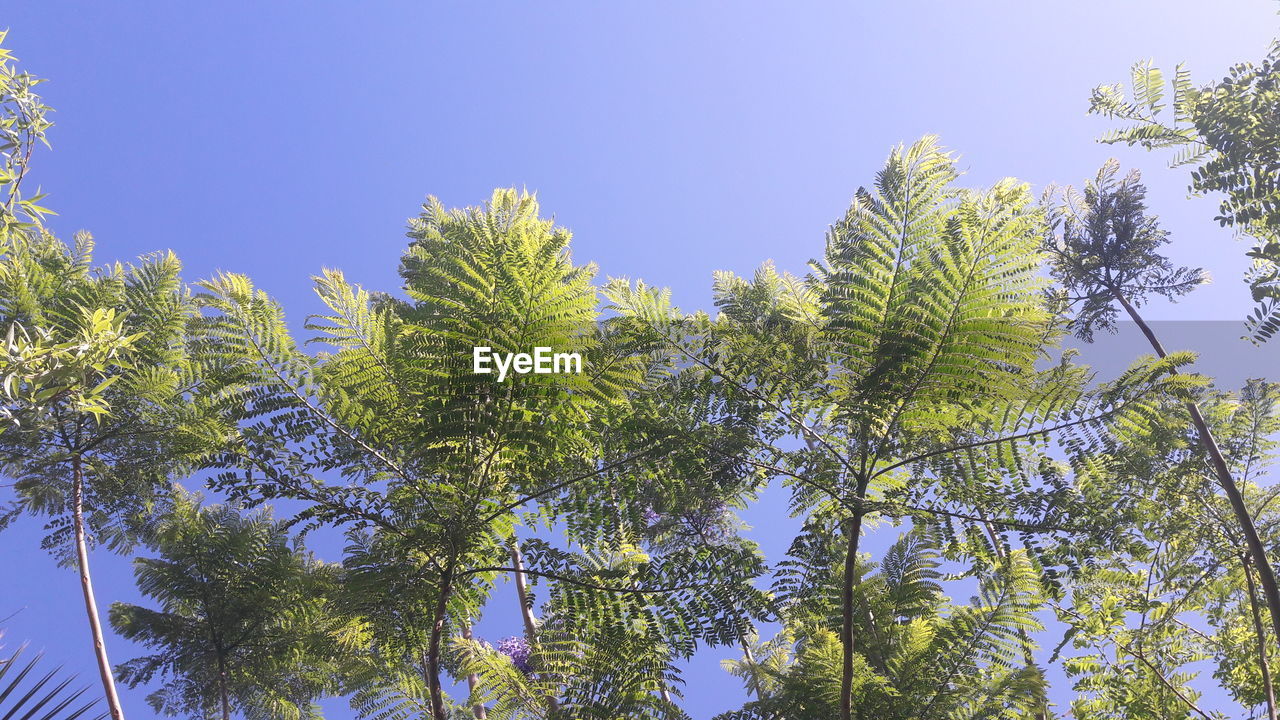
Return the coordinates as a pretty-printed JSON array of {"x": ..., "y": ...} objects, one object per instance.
[{"x": 674, "y": 138}]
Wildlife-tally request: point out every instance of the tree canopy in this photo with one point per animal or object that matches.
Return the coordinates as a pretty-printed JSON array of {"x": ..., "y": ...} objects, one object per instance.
[{"x": 1055, "y": 533}]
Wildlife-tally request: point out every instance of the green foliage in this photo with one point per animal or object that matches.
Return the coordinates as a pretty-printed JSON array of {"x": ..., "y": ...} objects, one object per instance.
[
  {"x": 1156, "y": 604},
  {"x": 921, "y": 656},
  {"x": 24, "y": 121},
  {"x": 602, "y": 657},
  {"x": 1103, "y": 242},
  {"x": 95, "y": 365},
  {"x": 39, "y": 367},
  {"x": 1227, "y": 130},
  {"x": 397, "y": 401},
  {"x": 1186, "y": 505},
  {"x": 98, "y": 373},
  {"x": 917, "y": 336},
  {"x": 49, "y": 693},
  {"x": 38, "y": 372},
  {"x": 243, "y": 616},
  {"x": 1130, "y": 617},
  {"x": 912, "y": 376},
  {"x": 99, "y": 395},
  {"x": 891, "y": 335},
  {"x": 904, "y": 366},
  {"x": 439, "y": 459}
]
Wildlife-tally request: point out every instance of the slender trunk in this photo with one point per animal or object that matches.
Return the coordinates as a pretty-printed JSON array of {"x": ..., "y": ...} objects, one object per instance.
[
  {"x": 222, "y": 689},
  {"x": 526, "y": 608},
  {"x": 433, "y": 649},
  {"x": 424, "y": 666},
  {"x": 226, "y": 702},
  {"x": 1266, "y": 574},
  {"x": 1263, "y": 663},
  {"x": 219, "y": 652},
  {"x": 846, "y": 598},
  {"x": 522, "y": 591},
  {"x": 86, "y": 585},
  {"x": 473, "y": 680}
]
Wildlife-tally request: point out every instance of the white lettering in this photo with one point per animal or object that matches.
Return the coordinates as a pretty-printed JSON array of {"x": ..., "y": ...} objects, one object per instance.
[
  {"x": 542, "y": 362},
  {"x": 503, "y": 367},
  {"x": 575, "y": 358}
]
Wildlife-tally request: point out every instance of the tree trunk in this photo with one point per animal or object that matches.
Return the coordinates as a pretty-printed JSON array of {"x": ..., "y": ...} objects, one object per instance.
[
  {"x": 1266, "y": 574},
  {"x": 86, "y": 585},
  {"x": 473, "y": 680},
  {"x": 222, "y": 690},
  {"x": 221, "y": 655},
  {"x": 522, "y": 591},
  {"x": 1263, "y": 663},
  {"x": 526, "y": 608},
  {"x": 846, "y": 602},
  {"x": 226, "y": 703},
  {"x": 433, "y": 649}
]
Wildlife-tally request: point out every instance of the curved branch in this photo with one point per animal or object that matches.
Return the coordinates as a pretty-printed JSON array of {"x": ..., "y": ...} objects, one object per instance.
[
  {"x": 566, "y": 483},
  {"x": 996, "y": 441},
  {"x": 586, "y": 584}
]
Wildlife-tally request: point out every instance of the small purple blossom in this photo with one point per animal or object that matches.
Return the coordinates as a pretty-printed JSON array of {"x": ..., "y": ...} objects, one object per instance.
[{"x": 516, "y": 648}]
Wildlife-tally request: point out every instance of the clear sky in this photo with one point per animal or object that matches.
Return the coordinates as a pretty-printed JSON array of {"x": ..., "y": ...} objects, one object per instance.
[{"x": 674, "y": 138}]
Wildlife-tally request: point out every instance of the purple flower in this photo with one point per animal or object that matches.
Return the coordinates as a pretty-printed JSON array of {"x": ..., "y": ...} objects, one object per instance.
[
  {"x": 710, "y": 522},
  {"x": 516, "y": 648}
]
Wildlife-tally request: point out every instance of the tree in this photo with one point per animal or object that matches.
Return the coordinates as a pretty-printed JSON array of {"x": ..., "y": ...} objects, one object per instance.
[
  {"x": 1150, "y": 607},
  {"x": 440, "y": 461},
  {"x": 71, "y": 458},
  {"x": 243, "y": 622},
  {"x": 1228, "y": 132},
  {"x": 914, "y": 339},
  {"x": 922, "y": 656},
  {"x": 1105, "y": 251},
  {"x": 599, "y": 655},
  {"x": 118, "y": 412},
  {"x": 24, "y": 121},
  {"x": 36, "y": 367}
]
